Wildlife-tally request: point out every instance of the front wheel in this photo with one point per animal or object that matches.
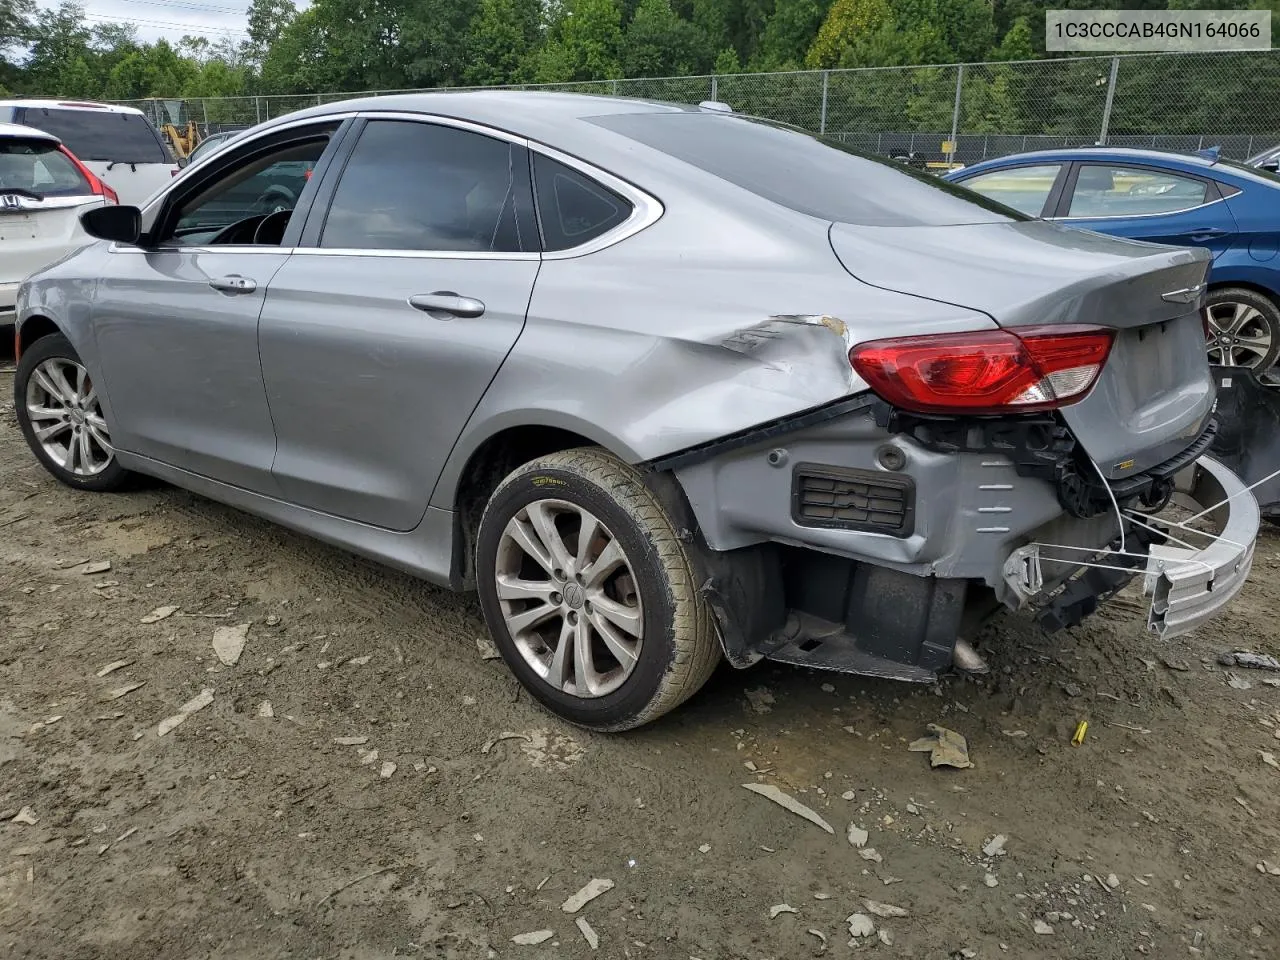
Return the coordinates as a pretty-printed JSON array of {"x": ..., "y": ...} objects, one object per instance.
[
  {"x": 589, "y": 592},
  {"x": 61, "y": 417},
  {"x": 1244, "y": 329}
]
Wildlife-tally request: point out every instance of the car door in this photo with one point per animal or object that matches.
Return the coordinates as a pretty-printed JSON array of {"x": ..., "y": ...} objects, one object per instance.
[
  {"x": 385, "y": 328},
  {"x": 1148, "y": 203},
  {"x": 1031, "y": 188},
  {"x": 176, "y": 318}
]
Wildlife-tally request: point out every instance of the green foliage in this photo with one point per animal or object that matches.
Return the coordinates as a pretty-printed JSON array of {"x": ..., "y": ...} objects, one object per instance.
[
  {"x": 335, "y": 46},
  {"x": 502, "y": 34},
  {"x": 584, "y": 44},
  {"x": 850, "y": 25},
  {"x": 658, "y": 43}
]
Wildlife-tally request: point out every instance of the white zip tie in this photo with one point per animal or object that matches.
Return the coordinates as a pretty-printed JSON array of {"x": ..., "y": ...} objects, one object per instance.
[
  {"x": 1216, "y": 538},
  {"x": 1189, "y": 561},
  {"x": 1133, "y": 518},
  {"x": 1111, "y": 494}
]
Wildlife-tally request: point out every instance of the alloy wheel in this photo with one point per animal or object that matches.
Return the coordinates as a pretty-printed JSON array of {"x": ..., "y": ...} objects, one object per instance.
[
  {"x": 1239, "y": 335},
  {"x": 569, "y": 598},
  {"x": 66, "y": 417}
]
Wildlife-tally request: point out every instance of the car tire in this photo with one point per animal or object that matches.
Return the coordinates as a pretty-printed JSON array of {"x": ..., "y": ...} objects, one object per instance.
[
  {"x": 633, "y": 569},
  {"x": 1237, "y": 312},
  {"x": 48, "y": 362}
]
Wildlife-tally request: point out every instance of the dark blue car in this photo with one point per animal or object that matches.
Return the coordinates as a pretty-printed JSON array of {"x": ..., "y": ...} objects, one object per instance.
[{"x": 1195, "y": 201}]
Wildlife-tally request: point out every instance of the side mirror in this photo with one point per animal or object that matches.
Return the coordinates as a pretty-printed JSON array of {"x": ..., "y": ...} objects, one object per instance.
[{"x": 119, "y": 223}]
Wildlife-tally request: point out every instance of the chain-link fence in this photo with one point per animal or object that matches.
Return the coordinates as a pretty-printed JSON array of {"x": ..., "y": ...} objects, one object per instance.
[{"x": 960, "y": 112}]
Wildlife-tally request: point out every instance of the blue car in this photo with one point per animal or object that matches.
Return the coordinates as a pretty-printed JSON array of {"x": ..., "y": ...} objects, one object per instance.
[{"x": 1195, "y": 201}]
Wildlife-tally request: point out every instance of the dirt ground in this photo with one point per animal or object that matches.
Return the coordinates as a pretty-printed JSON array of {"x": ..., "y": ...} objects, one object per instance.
[{"x": 249, "y": 832}]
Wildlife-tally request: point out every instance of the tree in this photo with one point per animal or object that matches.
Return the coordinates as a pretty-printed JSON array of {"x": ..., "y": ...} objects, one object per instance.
[
  {"x": 15, "y": 30},
  {"x": 267, "y": 20},
  {"x": 788, "y": 33},
  {"x": 660, "y": 44},
  {"x": 584, "y": 43},
  {"x": 1017, "y": 44},
  {"x": 58, "y": 63},
  {"x": 848, "y": 24},
  {"x": 502, "y": 34}
]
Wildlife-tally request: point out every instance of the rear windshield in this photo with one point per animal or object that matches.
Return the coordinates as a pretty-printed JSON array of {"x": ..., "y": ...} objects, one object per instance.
[
  {"x": 38, "y": 168},
  {"x": 808, "y": 173},
  {"x": 100, "y": 134}
]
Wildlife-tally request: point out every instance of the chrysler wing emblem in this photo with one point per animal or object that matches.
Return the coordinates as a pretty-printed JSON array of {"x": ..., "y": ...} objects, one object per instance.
[
  {"x": 1185, "y": 295},
  {"x": 10, "y": 201}
]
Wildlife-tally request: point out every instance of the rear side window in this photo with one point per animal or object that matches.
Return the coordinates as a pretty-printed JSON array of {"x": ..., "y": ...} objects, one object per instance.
[
  {"x": 422, "y": 186},
  {"x": 572, "y": 208},
  {"x": 1106, "y": 191},
  {"x": 38, "y": 168},
  {"x": 100, "y": 134},
  {"x": 808, "y": 173}
]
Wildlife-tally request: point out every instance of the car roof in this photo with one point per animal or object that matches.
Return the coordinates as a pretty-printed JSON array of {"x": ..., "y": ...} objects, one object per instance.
[
  {"x": 71, "y": 105},
  {"x": 27, "y": 133},
  {"x": 1119, "y": 154},
  {"x": 558, "y": 119},
  {"x": 1225, "y": 169}
]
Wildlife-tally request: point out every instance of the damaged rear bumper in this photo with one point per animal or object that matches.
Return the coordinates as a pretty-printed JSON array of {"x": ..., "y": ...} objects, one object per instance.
[
  {"x": 1191, "y": 573},
  {"x": 1191, "y": 586}
]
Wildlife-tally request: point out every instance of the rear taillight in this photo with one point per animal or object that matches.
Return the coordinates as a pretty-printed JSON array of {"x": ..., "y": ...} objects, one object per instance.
[
  {"x": 96, "y": 186},
  {"x": 995, "y": 371}
]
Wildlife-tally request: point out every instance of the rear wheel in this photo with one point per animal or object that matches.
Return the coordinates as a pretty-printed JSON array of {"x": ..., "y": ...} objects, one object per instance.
[
  {"x": 589, "y": 593},
  {"x": 60, "y": 414},
  {"x": 1244, "y": 329}
]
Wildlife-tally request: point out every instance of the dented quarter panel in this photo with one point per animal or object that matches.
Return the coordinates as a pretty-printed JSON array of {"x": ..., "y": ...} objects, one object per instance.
[{"x": 715, "y": 320}]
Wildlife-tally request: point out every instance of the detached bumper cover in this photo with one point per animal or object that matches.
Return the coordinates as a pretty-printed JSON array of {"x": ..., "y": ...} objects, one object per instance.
[{"x": 1191, "y": 586}]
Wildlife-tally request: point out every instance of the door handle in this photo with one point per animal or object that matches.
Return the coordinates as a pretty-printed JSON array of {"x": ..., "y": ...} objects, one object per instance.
[
  {"x": 1210, "y": 233},
  {"x": 444, "y": 304},
  {"x": 234, "y": 284}
]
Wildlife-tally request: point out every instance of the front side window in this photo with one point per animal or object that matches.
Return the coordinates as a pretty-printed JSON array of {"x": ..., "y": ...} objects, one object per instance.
[
  {"x": 1026, "y": 189},
  {"x": 426, "y": 187},
  {"x": 1115, "y": 191},
  {"x": 39, "y": 169},
  {"x": 96, "y": 134},
  {"x": 264, "y": 184}
]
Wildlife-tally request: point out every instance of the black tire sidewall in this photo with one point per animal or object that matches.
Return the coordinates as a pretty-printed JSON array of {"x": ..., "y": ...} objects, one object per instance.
[
  {"x": 46, "y": 348},
  {"x": 657, "y": 649},
  {"x": 1264, "y": 305}
]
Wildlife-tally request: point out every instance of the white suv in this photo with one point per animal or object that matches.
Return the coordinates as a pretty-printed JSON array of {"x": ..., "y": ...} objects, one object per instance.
[
  {"x": 43, "y": 190},
  {"x": 119, "y": 144}
]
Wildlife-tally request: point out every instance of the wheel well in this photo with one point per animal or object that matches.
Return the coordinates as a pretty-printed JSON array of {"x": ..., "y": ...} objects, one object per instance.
[
  {"x": 1246, "y": 285},
  {"x": 491, "y": 462},
  {"x": 32, "y": 329}
]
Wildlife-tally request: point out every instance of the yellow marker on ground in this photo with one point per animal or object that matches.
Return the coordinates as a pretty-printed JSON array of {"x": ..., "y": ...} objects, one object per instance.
[{"x": 1081, "y": 728}]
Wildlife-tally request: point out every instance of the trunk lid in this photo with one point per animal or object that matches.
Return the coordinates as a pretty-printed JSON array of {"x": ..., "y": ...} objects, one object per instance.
[{"x": 1155, "y": 393}]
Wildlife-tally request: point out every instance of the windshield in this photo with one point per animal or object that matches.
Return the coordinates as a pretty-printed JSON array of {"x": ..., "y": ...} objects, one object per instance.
[
  {"x": 808, "y": 173},
  {"x": 100, "y": 134},
  {"x": 39, "y": 168}
]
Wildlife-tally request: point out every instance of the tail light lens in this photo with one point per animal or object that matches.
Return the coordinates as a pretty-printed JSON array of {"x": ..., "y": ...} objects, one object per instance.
[
  {"x": 996, "y": 371},
  {"x": 96, "y": 186}
]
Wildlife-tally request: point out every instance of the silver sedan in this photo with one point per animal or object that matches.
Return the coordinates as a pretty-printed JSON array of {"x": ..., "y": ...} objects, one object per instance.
[{"x": 668, "y": 385}]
